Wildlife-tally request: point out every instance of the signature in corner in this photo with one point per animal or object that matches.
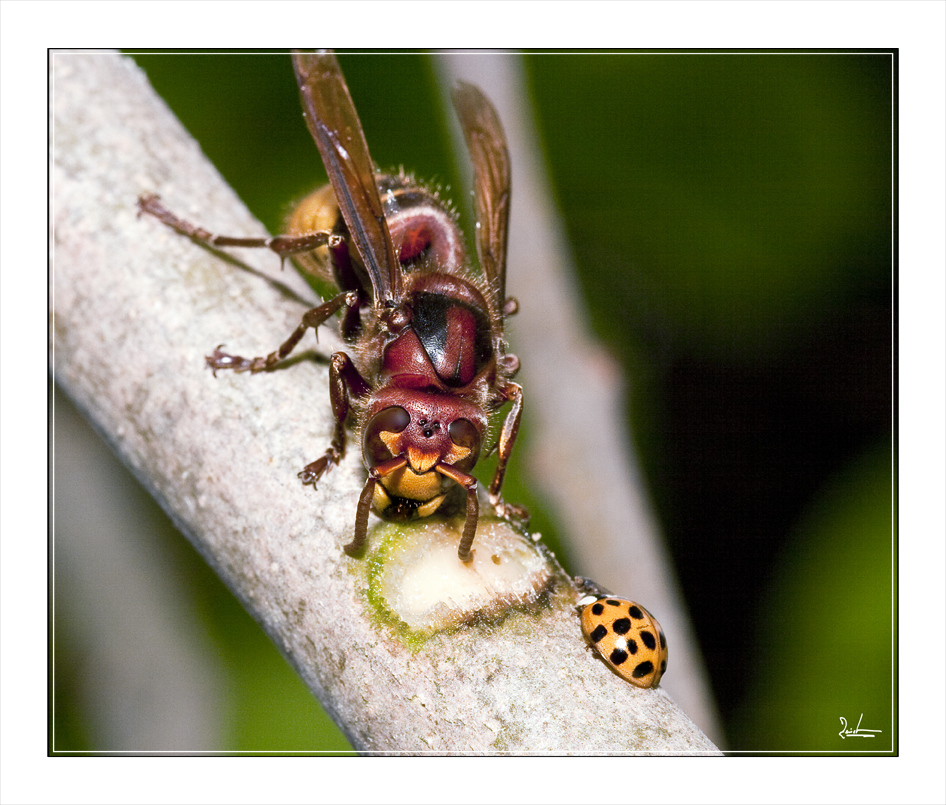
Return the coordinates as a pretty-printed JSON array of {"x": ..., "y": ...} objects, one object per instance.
[{"x": 857, "y": 732}]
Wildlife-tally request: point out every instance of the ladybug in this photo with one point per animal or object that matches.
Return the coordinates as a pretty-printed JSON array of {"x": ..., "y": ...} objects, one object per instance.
[{"x": 628, "y": 638}]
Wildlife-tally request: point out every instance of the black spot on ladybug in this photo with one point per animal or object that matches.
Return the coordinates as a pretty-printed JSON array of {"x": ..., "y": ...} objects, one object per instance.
[
  {"x": 643, "y": 669},
  {"x": 612, "y": 603},
  {"x": 663, "y": 641},
  {"x": 648, "y": 640},
  {"x": 663, "y": 666},
  {"x": 617, "y": 656},
  {"x": 635, "y": 612},
  {"x": 597, "y": 608},
  {"x": 632, "y": 646},
  {"x": 621, "y": 626},
  {"x": 598, "y": 633}
]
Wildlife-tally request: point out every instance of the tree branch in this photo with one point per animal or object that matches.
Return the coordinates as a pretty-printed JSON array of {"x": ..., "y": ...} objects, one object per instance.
[
  {"x": 581, "y": 455},
  {"x": 135, "y": 309}
]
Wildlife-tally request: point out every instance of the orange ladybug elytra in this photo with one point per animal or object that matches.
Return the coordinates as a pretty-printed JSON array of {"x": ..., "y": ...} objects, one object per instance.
[{"x": 628, "y": 638}]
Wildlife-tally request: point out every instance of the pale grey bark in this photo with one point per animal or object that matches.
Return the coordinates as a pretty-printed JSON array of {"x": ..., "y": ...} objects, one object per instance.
[
  {"x": 143, "y": 670},
  {"x": 135, "y": 309}
]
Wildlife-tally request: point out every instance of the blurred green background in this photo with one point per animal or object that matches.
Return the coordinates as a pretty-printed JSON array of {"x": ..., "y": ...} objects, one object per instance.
[{"x": 730, "y": 216}]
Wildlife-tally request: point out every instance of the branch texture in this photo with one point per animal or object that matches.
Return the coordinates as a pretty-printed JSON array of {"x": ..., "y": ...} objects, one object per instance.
[{"x": 135, "y": 310}]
